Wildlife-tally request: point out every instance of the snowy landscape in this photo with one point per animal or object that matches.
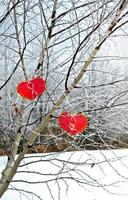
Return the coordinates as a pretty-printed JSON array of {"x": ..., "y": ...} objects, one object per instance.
[
  {"x": 101, "y": 175},
  {"x": 63, "y": 99}
]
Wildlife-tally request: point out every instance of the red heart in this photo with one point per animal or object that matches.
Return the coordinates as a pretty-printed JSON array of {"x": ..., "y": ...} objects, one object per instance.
[
  {"x": 73, "y": 124},
  {"x": 31, "y": 89}
]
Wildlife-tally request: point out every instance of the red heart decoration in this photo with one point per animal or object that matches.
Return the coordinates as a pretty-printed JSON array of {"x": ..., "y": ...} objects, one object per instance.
[
  {"x": 73, "y": 124},
  {"x": 32, "y": 88}
]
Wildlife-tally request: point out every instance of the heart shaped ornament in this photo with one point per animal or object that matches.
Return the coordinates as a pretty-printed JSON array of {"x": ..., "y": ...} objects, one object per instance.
[
  {"x": 73, "y": 124},
  {"x": 31, "y": 89}
]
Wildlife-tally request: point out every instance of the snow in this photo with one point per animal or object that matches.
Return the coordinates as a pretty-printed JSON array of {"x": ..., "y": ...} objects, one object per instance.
[{"x": 101, "y": 174}]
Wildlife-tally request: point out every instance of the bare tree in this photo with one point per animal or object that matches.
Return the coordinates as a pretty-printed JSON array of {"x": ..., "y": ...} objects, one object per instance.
[{"x": 64, "y": 42}]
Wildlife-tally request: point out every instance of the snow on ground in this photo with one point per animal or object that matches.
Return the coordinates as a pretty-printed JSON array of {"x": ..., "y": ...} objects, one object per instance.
[{"x": 101, "y": 175}]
